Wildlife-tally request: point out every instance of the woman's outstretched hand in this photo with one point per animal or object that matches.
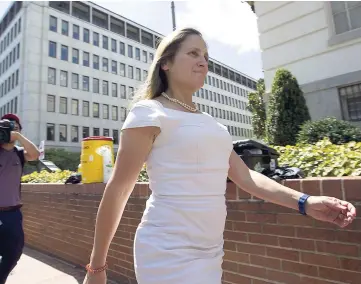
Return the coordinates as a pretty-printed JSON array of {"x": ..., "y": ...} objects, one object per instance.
[{"x": 330, "y": 209}]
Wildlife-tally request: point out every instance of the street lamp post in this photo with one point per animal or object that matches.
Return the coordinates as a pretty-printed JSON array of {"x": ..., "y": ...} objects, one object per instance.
[{"x": 173, "y": 15}]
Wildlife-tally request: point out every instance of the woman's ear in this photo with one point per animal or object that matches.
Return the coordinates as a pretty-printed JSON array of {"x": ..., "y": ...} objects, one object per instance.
[{"x": 164, "y": 66}]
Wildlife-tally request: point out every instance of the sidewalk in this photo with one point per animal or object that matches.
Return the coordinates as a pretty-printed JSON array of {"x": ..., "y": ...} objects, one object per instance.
[{"x": 38, "y": 268}]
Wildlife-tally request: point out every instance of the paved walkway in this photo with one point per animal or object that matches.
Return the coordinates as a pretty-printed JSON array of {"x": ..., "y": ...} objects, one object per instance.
[{"x": 38, "y": 268}]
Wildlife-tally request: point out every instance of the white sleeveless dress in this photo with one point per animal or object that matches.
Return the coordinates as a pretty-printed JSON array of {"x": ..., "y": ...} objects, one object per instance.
[{"x": 180, "y": 237}]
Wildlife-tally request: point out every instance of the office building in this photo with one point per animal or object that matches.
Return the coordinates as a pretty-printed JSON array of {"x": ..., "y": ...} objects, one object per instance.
[
  {"x": 320, "y": 43},
  {"x": 69, "y": 69}
]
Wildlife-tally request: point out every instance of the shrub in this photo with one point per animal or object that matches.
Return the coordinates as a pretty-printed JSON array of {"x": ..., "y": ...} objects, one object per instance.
[
  {"x": 338, "y": 131},
  {"x": 46, "y": 177},
  {"x": 65, "y": 160},
  {"x": 256, "y": 105},
  {"x": 287, "y": 110},
  {"x": 323, "y": 159},
  {"x": 61, "y": 176}
]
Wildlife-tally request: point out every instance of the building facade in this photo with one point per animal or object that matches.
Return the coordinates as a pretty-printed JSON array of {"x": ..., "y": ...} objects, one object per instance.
[
  {"x": 70, "y": 69},
  {"x": 320, "y": 43}
]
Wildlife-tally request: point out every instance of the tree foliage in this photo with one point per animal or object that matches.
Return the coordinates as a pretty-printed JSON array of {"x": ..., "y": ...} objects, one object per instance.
[
  {"x": 287, "y": 110},
  {"x": 338, "y": 131},
  {"x": 256, "y": 105},
  {"x": 65, "y": 160}
]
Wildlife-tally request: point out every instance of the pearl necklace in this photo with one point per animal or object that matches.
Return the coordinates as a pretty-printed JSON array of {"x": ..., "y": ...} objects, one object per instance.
[{"x": 192, "y": 109}]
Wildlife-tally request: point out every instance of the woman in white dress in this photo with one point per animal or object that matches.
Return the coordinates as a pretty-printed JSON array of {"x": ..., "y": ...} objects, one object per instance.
[{"x": 189, "y": 156}]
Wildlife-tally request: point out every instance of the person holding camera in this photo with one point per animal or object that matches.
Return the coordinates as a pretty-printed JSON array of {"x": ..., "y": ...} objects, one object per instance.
[{"x": 12, "y": 159}]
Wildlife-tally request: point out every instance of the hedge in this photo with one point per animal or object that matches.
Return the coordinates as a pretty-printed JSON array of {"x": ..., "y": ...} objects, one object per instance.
[
  {"x": 61, "y": 176},
  {"x": 323, "y": 159}
]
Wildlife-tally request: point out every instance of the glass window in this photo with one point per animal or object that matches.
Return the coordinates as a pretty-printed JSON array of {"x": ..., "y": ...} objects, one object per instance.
[
  {"x": 95, "y": 86},
  {"x": 51, "y": 76},
  {"x": 130, "y": 51},
  {"x": 131, "y": 92},
  {"x": 105, "y": 64},
  {"x": 85, "y": 108},
  {"x": 137, "y": 53},
  {"x": 53, "y": 24},
  {"x": 114, "y": 67},
  {"x": 114, "y": 89},
  {"x": 64, "y": 28},
  {"x": 121, "y": 48},
  {"x": 138, "y": 75},
  {"x": 74, "y": 133},
  {"x": 105, "y": 42},
  {"x": 123, "y": 93},
  {"x": 130, "y": 72},
  {"x": 105, "y": 112},
  {"x": 346, "y": 15},
  {"x": 123, "y": 113},
  {"x": 351, "y": 102},
  {"x": 96, "y": 110},
  {"x": 52, "y": 49},
  {"x": 86, "y": 59},
  {"x": 85, "y": 131},
  {"x": 86, "y": 35},
  {"x": 96, "y": 132},
  {"x": 75, "y": 56},
  {"x": 63, "y": 105},
  {"x": 116, "y": 136},
  {"x": 63, "y": 133},
  {"x": 63, "y": 78},
  {"x": 74, "y": 107},
  {"x": 114, "y": 45},
  {"x": 76, "y": 31},
  {"x": 50, "y": 131},
  {"x": 75, "y": 81},
  {"x": 64, "y": 52},
  {"x": 86, "y": 83},
  {"x": 51, "y": 103},
  {"x": 18, "y": 51},
  {"x": 114, "y": 113},
  {"x": 122, "y": 69},
  {"x": 105, "y": 88},
  {"x": 106, "y": 132},
  {"x": 96, "y": 62},
  {"x": 95, "y": 39},
  {"x": 145, "y": 56}
]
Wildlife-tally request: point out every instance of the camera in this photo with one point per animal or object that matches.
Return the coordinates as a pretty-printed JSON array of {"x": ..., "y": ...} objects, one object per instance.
[{"x": 6, "y": 126}]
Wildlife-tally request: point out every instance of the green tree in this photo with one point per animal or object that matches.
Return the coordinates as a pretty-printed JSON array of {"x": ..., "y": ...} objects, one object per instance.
[
  {"x": 65, "y": 160},
  {"x": 287, "y": 110},
  {"x": 337, "y": 131},
  {"x": 256, "y": 105}
]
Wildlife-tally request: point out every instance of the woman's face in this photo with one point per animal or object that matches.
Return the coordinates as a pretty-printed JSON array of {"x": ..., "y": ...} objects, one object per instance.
[{"x": 190, "y": 65}]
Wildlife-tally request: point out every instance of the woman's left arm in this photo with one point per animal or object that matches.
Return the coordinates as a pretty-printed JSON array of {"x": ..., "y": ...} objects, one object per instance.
[{"x": 323, "y": 208}]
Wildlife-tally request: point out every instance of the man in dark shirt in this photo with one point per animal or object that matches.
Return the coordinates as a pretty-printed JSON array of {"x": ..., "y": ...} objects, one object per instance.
[{"x": 12, "y": 158}]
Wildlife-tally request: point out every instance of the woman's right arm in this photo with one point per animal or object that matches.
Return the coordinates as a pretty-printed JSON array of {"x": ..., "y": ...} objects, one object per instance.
[{"x": 134, "y": 147}]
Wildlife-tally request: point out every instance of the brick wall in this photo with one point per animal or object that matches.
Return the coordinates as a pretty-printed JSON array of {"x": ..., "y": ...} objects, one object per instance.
[{"x": 264, "y": 243}]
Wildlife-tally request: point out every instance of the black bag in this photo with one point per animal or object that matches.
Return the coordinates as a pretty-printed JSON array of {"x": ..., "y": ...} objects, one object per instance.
[
  {"x": 282, "y": 173},
  {"x": 74, "y": 179}
]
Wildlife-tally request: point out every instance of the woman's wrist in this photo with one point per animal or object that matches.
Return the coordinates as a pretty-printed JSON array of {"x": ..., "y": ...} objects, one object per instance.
[{"x": 96, "y": 269}]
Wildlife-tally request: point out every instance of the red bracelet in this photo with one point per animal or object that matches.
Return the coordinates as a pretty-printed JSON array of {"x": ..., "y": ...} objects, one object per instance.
[{"x": 96, "y": 270}]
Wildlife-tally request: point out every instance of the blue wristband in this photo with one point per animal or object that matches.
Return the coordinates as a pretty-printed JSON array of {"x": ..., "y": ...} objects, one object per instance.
[{"x": 301, "y": 204}]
